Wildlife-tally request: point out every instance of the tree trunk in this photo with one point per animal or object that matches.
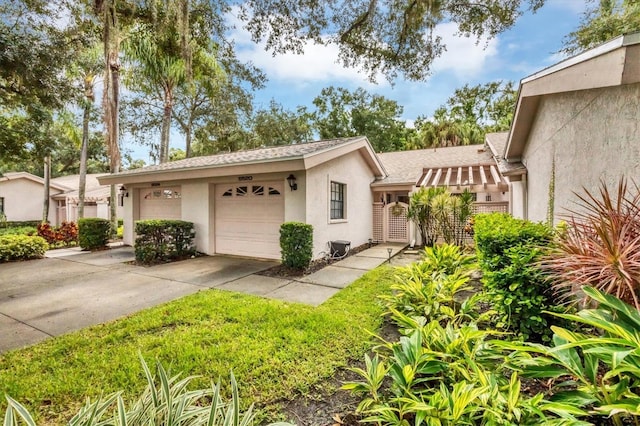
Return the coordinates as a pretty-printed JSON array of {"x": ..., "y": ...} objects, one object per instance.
[
  {"x": 188, "y": 138},
  {"x": 88, "y": 93},
  {"x": 47, "y": 182},
  {"x": 166, "y": 125},
  {"x": 110, "y": 98}
]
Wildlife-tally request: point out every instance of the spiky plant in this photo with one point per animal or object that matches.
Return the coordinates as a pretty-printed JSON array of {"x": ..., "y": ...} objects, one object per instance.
[{"x": 600, "y": 246}]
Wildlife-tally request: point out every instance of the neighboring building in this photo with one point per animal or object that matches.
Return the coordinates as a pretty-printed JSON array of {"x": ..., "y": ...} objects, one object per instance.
[
  {"x": 576, "y": 123},
  {"x": 22, "y": 197},
  {"x": 238, "y": 200}
]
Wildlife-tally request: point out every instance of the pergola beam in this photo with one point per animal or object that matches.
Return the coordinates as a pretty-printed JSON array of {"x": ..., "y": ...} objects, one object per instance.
[
  {"x": 459, "y": 177},
  {"x": 470, "y": 175},
  {"x": 436, "y": 179},
  {"x": 448, "y": 177},
  {"x": 483, "y": 177},
  {"x": 495, "y": 174}
]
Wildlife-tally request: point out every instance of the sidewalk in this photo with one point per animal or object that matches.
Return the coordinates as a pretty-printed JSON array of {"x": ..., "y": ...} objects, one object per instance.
[{"x": 316, "y": 288}]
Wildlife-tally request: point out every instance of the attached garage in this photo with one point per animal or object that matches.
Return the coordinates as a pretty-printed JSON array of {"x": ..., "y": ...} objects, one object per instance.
[
  {"x": 161, "y": 203},
  {"x": 248, "y": 218}
]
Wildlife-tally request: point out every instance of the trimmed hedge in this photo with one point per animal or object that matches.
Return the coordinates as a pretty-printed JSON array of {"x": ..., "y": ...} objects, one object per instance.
[
  {"x": 296, "y": 244},
  {"x": 162, "y": 240},
  {"x": 93, "y": 233},
  {"x": 21, "y": 247},
  {"x": 18, "y": 223},
  {"x": 508, "y": 252}
]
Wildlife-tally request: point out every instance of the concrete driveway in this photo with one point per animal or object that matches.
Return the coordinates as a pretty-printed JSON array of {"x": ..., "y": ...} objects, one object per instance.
[{"x": 52, "y": 296}]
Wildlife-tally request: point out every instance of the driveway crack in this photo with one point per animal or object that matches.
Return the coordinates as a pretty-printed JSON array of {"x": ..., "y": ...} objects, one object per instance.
[{"x": 28, "y": 325}]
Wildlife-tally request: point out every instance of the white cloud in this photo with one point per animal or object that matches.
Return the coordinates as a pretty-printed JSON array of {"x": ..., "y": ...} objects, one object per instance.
[
  {"x": 319, "y": 64},
  {"x": 465, "y": 57}
]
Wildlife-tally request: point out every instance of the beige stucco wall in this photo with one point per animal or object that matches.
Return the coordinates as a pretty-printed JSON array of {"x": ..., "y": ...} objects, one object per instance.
[
  {"x": 353, "y": 171},
  {"x": 195, "y": 208},
  {"x": 23, "y": 200},
  {"x": 592, "y": 135}
]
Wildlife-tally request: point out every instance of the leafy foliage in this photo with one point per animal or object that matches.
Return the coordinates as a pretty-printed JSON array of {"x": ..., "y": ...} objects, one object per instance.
[
  {"x": 470, "y": 113},
  {"x": 508, "y": 252},
  {"x": 341, "y": 113},
  {"x": 93, "y": 233},
  {"x": 379, "y": 36},
  {"x": 439, "y": 214},
  {"x": 605, "y": 20},
  {"x": 21, "y": 247},
  {"x": 430, "y": 288},
  {"x": 162, "y": 240},
  {"x": 296, "y": 244},
  {"x": 600, "y": 245},
  {"x": 166, "y": 400},
  {"x": 596, "y": 372},
  {"x": 65, "y": 234}
]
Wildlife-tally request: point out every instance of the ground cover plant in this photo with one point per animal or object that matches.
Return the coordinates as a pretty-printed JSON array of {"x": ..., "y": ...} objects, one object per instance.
[
  {"x": 276, "y": 350},
  {"x": 18, "y": 230}
]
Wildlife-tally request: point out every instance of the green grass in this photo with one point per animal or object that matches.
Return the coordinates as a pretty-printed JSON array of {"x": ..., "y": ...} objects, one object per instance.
[{"x": 275, "y": 349}]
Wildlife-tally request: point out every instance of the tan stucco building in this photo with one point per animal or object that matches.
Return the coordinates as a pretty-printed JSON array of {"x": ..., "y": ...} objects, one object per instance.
[{"x": 576, "y": 123}]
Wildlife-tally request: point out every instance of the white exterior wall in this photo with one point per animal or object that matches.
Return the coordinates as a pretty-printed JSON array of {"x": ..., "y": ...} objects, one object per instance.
[
  {"x": 195, "y": 208},
  {"x": 592, "y": 135},
  {"x": 353, "y": 171},
  {"x": 295, "y": 208},
  {"x": 517, "y": 193},
  {"x": 23, "y": 200},
  {"x": 131, "y": 204}
]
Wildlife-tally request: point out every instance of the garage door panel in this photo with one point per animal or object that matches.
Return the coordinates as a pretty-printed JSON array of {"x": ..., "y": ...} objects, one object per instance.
[{"x": 248, "y": 219}]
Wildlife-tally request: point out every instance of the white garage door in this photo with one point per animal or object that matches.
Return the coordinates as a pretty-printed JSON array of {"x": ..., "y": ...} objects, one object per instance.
[
  {"x": 248, "y": 218},
  {"x": 161, "y": 203}
]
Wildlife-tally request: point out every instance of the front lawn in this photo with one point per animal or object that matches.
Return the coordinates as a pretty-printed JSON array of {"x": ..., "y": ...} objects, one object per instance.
[{"x": 275, "y": 349}]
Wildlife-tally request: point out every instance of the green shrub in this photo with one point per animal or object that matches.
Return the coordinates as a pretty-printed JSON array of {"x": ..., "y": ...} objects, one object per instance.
[
  {"x": 19, "y": 230},
  {"x": 18, "y": 223},
  {"x": 508, "y": 252},
  {"x": 93, "y": 232},
  {"x": 162, "y": 240},
  {"x": 21, "y": 247},
  {"x": 296, "y": 244}
]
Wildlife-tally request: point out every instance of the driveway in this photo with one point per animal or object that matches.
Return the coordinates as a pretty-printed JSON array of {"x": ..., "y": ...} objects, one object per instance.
[{"x": 52, "y": 296}]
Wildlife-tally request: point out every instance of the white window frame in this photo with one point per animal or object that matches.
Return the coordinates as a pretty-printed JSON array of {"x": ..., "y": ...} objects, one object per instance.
[{"x": 344, "y": 217}]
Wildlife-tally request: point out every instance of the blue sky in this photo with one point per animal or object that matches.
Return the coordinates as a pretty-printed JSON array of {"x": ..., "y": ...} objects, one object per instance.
[{"x": 526, "y": 48}]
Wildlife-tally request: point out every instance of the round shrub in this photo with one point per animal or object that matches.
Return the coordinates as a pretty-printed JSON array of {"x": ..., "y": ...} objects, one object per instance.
[
  {"x": 21, "y": 247},
  {"x": 163, "y": 239},
  {"x": 93, "y": 233}
]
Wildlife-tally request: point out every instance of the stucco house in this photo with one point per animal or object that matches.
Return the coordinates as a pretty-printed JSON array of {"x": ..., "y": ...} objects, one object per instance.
[
  {"x": 238, "y": 200},
  {"x": 22, "y": 197},
  {"x": 576, "y": 123}
]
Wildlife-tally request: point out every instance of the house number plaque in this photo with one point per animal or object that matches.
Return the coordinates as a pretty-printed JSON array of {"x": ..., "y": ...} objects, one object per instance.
[{"x": 243, "y": 178}]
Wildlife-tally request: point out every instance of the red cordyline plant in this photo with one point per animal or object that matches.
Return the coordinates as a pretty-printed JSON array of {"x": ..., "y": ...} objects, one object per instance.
[{"x": 601, "y": 245}]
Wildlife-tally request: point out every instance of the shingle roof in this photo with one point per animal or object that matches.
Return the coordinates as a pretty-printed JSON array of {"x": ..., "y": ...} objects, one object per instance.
[
  {"x": 406, "y": 167},
  {"x": 497, "y": 142},
  {"x": 73, "y": 181},
  {"x": 275, "y": 153}
]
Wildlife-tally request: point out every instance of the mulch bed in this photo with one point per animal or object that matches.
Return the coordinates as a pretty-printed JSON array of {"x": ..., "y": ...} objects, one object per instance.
[{"x": 283, "y": 271}]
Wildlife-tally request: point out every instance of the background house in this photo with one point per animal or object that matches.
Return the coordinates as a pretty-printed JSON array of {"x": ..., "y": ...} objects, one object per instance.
[
  {"x": 22, "y": 197},
  {"x": 459, "y": 168},
  {"x": 576, "y": 123}
]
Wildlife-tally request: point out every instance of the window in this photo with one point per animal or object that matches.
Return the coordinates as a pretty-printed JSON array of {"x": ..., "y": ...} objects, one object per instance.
[
  {"x": 487, "y": 197},
  {"x": 1, "y": 205},
  {"x": 337, "y": 201}
]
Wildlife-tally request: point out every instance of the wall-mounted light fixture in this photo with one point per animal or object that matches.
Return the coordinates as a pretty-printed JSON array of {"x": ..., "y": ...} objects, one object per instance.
[
  {"x": 291, "y": 179},
  {"x": 123, "y": 194}
]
